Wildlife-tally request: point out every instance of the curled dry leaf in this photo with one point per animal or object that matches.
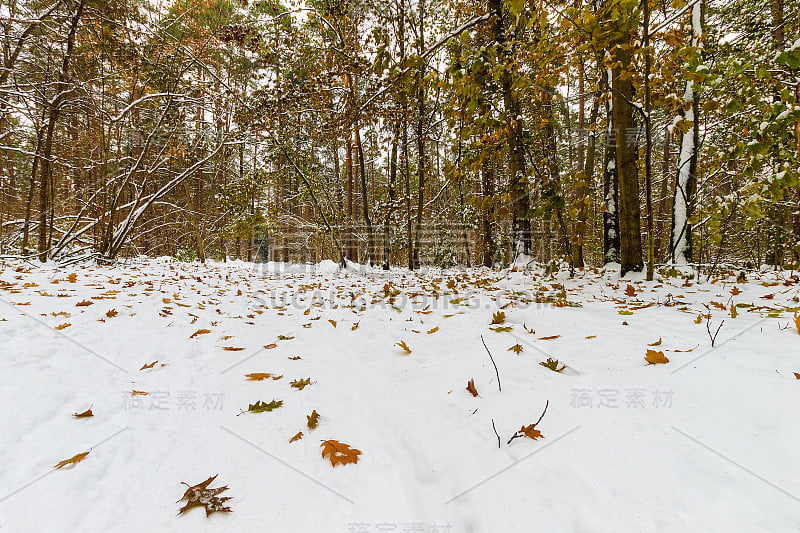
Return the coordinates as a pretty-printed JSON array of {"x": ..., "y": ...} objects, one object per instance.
[
  {"x": 296, "y": 437},
  {"x": 199, "y": 332},
  {"x": 270, "y": 346},
  {"x": 63, "y": 326},
  {"x": 232, "y": 348},
  {"x": 471, "y": 387},
  {"x": 312, "y": 419},
  {"x": 149, "y": 365},
  {"x": 86, "y": 414},
  {"x": 75, "y": 459},
  {"x": 260, "y": 376},
  {"x": 657, "y": 343}
]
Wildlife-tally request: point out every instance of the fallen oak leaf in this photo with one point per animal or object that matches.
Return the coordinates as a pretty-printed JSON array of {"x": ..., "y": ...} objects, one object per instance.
[
  {"x": 551, "y": 337},
  {"x": 232, "y": 349},
  {"x": 471, "y": 387},
  {"x": 312, "y": 419},
  {"x": 300, "y": 383},
  {"x": 630, "y": 290},
  {"x": 201, "y": 496},
  {"x": 261, "y": 407},
  {"x": 270, "y": 346},
  {"x": 75, "y": 459},
  {"x": 84, "y": 303},
  {"x": 339, "y": 453},
  {"x": 498, "y": 318},
  {"x": 111, "y": 313},
  {"x": 150, "y": 365},
  {"x": 63, "y": 326},
  {"x": 139, "y": 393},
  {"x": 517, "y": 349},
  {"x": 296, "y": 437},
  {"x": 86, "y": 414},
  {"x": 657, "y": 343}
]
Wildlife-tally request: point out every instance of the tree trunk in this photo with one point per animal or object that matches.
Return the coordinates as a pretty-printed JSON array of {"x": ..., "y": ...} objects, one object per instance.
[
  {"x": 685, "y": 183},
  {"x": 625, "y": 128}
]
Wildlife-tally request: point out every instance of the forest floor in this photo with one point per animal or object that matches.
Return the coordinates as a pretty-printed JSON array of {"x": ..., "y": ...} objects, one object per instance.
[{"x": 159, "y": 351}]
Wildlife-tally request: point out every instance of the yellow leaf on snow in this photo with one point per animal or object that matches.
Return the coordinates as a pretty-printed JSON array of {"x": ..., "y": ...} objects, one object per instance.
[
  {"x": 404, "y": 347},
  {"x": 655, "y": 358},
  {"x": 63, "y": 326}
]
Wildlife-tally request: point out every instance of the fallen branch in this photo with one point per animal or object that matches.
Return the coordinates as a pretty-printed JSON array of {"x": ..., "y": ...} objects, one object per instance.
[{"x": 495, "y": 365}]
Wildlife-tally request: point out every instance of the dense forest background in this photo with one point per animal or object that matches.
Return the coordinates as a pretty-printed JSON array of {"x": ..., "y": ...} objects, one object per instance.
[{"x": 402, "y": 132}]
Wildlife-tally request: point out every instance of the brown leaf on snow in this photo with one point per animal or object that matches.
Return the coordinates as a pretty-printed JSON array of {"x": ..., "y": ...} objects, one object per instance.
[
  {"x": 111, "y": 313},
  {"x": 84, "y": 303},
  {"x": 312, "y": 419},
  {"x": 86, "y": 414},
  {"x": 339, "y": 453},
  {"x": 72, "y": 278},
  {"x": 232, "y": 349},
  {"x": 517, "y": 349},
  {"x": 149, "y": 365},
  {"x": 657, "y": 343},
  {"x": 201, "y": 496},
  {"x": 75, "y": 459},
  {"x": 655, "y": 358},
  {"x": 531, "y": 432},
  {"x": 270, "y": 346},
  {"x": 63, "y": 326},
  {"x": 471, "y": 387},
  {"x": 551, "y": 337},
  {"x": 199, "y": 332},
  {"x": 139, "y": 393},
  {"x": 261, "y": 376},
  {"x": 296, "y": 437},
  {"x": 630, "y": 290}
]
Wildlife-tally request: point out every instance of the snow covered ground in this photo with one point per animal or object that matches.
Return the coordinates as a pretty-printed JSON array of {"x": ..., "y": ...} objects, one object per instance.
[{"x": 705, "y": 442}]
